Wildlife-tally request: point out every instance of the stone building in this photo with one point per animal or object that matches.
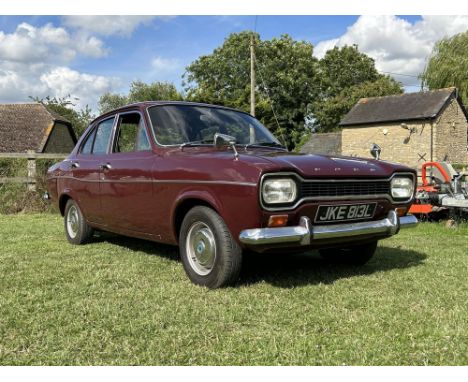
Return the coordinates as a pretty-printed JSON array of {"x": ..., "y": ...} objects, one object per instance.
[
  {"x": 410, "y": 128},
  {"x": 323, "y": 143},
  {"x": 33, "y": 127}
]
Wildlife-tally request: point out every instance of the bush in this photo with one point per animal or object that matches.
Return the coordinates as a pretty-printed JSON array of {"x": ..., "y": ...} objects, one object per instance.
[{"x": 15, "y": 197}]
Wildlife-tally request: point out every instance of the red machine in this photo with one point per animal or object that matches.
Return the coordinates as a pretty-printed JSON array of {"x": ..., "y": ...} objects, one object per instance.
[{"x": 442, "y": 193}]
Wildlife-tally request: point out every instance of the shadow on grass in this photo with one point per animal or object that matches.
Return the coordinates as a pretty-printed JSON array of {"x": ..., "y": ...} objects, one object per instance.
[
  {"x": 169, "y": 252},
  {"x": 288, "y": 271},
  {"x": 285, "y": 270}
]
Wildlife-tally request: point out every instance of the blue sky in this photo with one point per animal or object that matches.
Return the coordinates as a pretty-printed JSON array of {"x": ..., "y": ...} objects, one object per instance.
[{"x": 87, "y": 56}]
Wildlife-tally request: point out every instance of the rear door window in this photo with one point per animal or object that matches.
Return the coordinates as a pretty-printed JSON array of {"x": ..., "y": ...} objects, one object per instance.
[{"x": 131, "y": 134}]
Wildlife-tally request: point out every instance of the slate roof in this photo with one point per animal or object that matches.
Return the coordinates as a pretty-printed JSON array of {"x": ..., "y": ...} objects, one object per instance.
[
  {"x": 400, "y": 108},
  {"x": 26, "y": 126}
]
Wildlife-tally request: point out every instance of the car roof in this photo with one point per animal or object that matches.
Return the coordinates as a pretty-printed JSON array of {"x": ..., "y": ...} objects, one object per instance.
[{"x": 146, "y": 104}]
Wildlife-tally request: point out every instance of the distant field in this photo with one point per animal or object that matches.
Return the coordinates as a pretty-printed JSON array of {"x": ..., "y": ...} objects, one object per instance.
[{"x": 126, "y": 301}]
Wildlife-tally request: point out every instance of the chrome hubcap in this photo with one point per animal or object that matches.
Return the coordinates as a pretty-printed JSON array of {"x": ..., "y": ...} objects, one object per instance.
[
  {"x": 201, "y": 248},
  {"x": 72, "y": 222}
]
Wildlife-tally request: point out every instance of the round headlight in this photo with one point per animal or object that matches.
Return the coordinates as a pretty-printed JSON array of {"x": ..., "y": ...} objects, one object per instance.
[
  {"x": 402, "y": 187},
  {"x": 279, "y": 190}
]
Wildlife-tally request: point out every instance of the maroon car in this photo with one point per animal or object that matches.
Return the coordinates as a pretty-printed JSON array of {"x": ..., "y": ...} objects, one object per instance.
[{"x": 216, "y": 182}]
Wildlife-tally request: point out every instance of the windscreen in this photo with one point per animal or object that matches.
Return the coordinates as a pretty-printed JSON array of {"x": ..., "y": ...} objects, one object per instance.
[{"x": 178, "y": 124}]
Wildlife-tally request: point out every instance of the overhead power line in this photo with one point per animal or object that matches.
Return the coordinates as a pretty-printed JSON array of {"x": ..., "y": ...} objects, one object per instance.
[{"x": 399, "y": 74}]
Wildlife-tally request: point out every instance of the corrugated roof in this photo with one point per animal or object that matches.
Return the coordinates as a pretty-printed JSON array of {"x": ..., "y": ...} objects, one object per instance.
[
  {"x": 25, "y": 126},
  {"x": 396, "y": 108}
]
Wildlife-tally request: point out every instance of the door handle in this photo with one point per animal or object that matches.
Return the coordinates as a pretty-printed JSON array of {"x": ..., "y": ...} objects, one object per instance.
[
  {"x": 75, "y": 165},
  {"x": 106, "y": 166}
]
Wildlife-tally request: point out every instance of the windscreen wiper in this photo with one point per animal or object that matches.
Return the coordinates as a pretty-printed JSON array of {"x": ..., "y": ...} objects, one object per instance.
[
  {"x": 265, "y": 144},
  {"x": 195, "y": 143}
]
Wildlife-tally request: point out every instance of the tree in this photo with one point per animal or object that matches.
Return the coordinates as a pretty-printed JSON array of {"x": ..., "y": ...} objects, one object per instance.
[
  {"x": 286, "y": 81},
  {"x": 140, "y": 91},
  {"x": 346, "y": 75},
  {"x": 65, "y": 107},
  {"x": 111, "y": 101},
  {"x": 329, "y": 112},
  {"x": 448, "y": 65}
]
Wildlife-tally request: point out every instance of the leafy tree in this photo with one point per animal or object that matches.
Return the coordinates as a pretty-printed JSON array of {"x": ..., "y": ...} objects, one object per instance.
[
  {"x": 140, "y": 91},
  {"x": 111, "y": 101},
  {"x": 448, "y": 65},
  {"x": 346, "y": 75},
  {"x": 286, "y": 81},
  {"x": 343, "y": 67},
  {"x": 329, "y": 111},
  {"x": 65, "y": 107}
]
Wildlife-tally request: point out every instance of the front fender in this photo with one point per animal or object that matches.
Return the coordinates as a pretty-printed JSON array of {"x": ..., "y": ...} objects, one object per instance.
[{"x": 236, "y": 204}]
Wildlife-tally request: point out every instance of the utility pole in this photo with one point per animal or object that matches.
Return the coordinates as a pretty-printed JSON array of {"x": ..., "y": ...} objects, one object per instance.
[{"x": 252, "y": 75}]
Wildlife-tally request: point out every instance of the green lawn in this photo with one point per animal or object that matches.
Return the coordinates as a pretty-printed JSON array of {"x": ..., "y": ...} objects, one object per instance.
[{"x": 126, "y": 301}]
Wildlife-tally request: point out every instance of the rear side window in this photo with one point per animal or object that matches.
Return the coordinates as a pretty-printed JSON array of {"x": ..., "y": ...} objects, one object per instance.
[
  {"x": 103, "y": 134},
  {"x": 131, "y": 134}
]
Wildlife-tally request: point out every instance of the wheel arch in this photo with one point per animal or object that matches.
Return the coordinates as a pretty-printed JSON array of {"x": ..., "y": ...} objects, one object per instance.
[
  {"x": 64, "y": 198},
  {"x": 185, "y": 203}
]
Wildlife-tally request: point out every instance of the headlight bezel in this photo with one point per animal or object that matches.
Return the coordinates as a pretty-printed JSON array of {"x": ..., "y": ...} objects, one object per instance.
[
  {"x": 278, "y": 179},
  {"x": 394, "y": 186}
]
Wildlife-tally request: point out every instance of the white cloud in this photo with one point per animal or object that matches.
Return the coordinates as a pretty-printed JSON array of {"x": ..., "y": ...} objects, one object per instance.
[
  {"x": 48, "y": 43},
  {"x": 57, "y": 81},
  {"x": 165, "y": 65},
  {"x": 107, "y": 25},
  {"x": 86, "y": 87},
  {"x": 34, "y": 62},
  {"x": 395, "y": 44},
  {"x": 90, "y": 46}
]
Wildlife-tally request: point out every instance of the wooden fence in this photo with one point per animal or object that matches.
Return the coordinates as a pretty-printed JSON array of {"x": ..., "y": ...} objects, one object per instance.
[{"x": 31, "y": 157}]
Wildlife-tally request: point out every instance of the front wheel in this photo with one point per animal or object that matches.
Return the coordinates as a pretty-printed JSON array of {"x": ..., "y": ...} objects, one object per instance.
[
  {"x": 352, "y": 255},
  {"x": 210, "y": 255}
]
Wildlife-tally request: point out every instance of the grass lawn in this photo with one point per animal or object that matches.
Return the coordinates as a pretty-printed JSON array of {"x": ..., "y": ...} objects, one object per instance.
[{"x": 127, "y": 301}]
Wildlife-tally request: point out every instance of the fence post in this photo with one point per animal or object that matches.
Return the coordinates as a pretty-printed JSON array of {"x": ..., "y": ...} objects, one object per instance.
[{"x": 31, "y": 172}]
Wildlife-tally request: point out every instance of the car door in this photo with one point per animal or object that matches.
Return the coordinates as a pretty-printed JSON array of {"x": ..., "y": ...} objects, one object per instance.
[
  {"x": 126, "y": 181},
  {"x": 86, "y": 170}
]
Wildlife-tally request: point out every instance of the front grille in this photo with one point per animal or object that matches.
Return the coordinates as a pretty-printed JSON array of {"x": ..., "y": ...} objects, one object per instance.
[{"x": 324, "y": 189}]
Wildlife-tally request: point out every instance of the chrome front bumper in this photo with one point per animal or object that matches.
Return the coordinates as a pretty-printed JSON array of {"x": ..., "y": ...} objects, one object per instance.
[{"x": 306, "y": 234}]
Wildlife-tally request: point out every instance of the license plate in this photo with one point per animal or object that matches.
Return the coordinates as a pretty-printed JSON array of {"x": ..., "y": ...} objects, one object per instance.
[{"x": 344, "y": 212}]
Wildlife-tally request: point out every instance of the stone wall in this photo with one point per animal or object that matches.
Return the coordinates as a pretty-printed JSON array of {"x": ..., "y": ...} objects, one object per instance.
[
  {"x": 326, "y": 143},
  {"x": 410, "y": 146},
  {"x": 451, "y": 135}
]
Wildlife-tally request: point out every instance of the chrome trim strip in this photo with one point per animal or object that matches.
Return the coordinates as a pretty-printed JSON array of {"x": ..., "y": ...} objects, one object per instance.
[
  {"x": 306, "y": 234},
  {"x": 226, "y": 182},
  {"x": 169, "y": 181},
  {"x": 329, "y": 198}
]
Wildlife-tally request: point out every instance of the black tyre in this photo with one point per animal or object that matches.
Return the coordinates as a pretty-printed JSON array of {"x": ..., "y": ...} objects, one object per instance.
[
  {"x": 76, "y": 228},
  {"x": 210, "y": 255},
  {"x": 352, "y": 255}
]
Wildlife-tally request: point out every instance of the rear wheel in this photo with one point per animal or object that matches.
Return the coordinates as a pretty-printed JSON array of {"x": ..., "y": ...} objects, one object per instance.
[
  {"x": 352, "y": 255},
  {"x": 76, "y": 228},
  {"x": 210, "y": 255}
]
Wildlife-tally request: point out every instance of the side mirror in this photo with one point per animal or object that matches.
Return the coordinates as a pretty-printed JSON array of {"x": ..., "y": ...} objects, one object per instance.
[
  {"x": 375, "y": 151},
  {"x": 222, "y": 140}
]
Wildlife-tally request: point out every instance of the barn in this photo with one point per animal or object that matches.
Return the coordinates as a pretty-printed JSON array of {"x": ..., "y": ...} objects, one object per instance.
[
  {"x": 33, "y": 127},
  {"x": 410, "y": 128}
]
